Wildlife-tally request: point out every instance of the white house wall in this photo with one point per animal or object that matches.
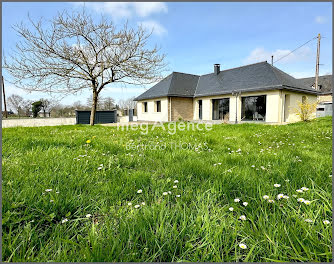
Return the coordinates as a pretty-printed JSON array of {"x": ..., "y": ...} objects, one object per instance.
[{"x": 151, "y": 114}]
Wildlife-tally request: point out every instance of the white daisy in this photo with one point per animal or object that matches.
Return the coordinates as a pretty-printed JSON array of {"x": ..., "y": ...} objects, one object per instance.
[
  {"x": 266, "y": 197},
  {"x": 164, "y": 193},
  {"x": 137, "y": 206},
  {"x": 64, "y": 220},
  {"x": 271, "y": 201},
  {"x": 143, "y": 203},
  {"x": 176, "y": 181},
  {"x": 237, "y": 200},
  {"x": 48, "y": 190},
  {"x": 307, "y": 202},
  {"x": 245, "y": 203},
  {"x": 242, "y": 217},
  {"x": 129, "y": 204},
  {"x": 88, "y": 215},
  {"x": 243, "y": 246},
  {"x": 174, "y": 186},
  {"x": 277, "y": 185},
  {"x": 285, "y": 197},
  {"x": 139, "y": 191},
  {"x": 299, "y": 191},
  {"x": 231, "y": 209},
  {"x": 326, "y": 222},
  {"x": 308, "y": 220},
  {"x": 304, "y": 189},
  {"x": 301, "y": 200},
  {"x": 280, "y": 196}
]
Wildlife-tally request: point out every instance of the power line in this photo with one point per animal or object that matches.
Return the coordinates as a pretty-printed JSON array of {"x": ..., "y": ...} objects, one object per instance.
[{"x": 295, "y": 49}]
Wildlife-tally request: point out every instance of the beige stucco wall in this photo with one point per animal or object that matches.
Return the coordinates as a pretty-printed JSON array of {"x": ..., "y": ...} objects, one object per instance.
[
  {"x": 290, "y": 103},
  {"x": 181, "y": 107},
  {"x": 325, "y": 98},
  {"x": 151, "y": 114}
]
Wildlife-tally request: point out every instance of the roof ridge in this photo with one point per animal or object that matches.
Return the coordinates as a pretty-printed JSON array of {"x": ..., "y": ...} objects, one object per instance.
[{"x": 185, "y": 73}]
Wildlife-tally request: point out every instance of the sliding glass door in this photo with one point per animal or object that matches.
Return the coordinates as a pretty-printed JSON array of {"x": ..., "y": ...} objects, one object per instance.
[
  {"x": 253, "y": 108},
  {"x": 220, "y": 108}
]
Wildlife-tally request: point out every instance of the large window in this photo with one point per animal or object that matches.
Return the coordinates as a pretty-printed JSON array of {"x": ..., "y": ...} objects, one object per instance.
[
  {"x": 145, "y": 107},
  {"x": 158, "y": 106},
  {"x": 253, "y": 108},
  {"x": 220, "y": 108}
]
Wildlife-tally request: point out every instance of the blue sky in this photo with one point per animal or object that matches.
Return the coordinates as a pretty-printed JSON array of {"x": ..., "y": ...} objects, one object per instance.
[{"x": 194, "y": 36}]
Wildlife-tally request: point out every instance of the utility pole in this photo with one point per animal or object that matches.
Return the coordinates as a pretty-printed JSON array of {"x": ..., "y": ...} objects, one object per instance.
[
  {"x": 272, "y": 60},
  {"x": 4, "y": 96},
  {"x": 317, "y": 63}
]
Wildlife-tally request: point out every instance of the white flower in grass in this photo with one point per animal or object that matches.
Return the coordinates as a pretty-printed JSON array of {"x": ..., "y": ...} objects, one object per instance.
[
  {"x": 326, "y": 222},
  {"x": 280, "y": 196},
  {"x": 139, "y": 191},
  {"x": 276, "y": 185},
  {"x": 301, "y": 200},
  {"x": 57, "y": 192},
  {"x": 244, "y": 203},
  {"x": 219, "y": 163},
  {"x": 242, "y": 217},
  {"x": 266, "y": 197},
  {"x": 169, "y": 192},
  {"x": 51, "y": 201},
  {"x": 242, "y": 246},
  {"x": 299, "y": 191},
  {"x": 253, "y": 166},
  {"x": 64, "y": 220},
  {"x": 307, "y": 202},
  {"x": 294, "y": 195},
  {"x": 176, "y": 181},
  {"x": 215, "y": 164},
  {"x": 304, "y": 189},
  {"x": 88, "y": 215},
  {"x": 129, "y": 204},
  {"x": 285, "y": 197},
  {"x": 143, "y": 203},
  {"x": 178, "y": 195},
  {"x": 309, "y": 220},
  {"x": 137, "y": 206},
  {"x": 271, "y": 201},
  {"x": 174, "y": 186},
  {"x": 48, "y": 190},
  {"x": 165, "y": 193},
  {"x": 231, "y": 209},
  {"x": 237, "y": 200}
]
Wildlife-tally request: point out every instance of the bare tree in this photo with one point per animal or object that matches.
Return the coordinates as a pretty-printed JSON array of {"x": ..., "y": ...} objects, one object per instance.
[
  {"x": 46, "y": 106},
  {"x": 17, "y": 102},
  {"x": 75, "y": 53},
  {"x": 108, "y": 103}
]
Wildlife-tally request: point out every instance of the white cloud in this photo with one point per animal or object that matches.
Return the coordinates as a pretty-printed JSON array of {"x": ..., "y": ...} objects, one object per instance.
[
  {"x": 126, "y": 9},
  {"x": 320, "y": 19},
  {"x": 157, "y": 28},
  {"x": 144, "y": 9},
  {"x": 260, "y": 54}
]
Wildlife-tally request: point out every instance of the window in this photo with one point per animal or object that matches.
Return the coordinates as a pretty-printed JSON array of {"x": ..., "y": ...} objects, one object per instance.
[
  {"x": 220, "y": 108},
  {"x": 158, "y": 106},
  {"x": 145, "y": 107},
  {"x": 253, "y": 108},
  {"x": 321, "y": 109},
  {"x": 200, "y": 109}
]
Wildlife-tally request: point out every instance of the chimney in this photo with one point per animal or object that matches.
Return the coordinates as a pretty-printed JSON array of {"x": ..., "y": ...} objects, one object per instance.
[{"x": 216, "y": 68}]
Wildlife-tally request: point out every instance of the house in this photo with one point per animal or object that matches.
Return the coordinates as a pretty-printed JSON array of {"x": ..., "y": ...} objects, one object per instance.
[
  {"x": 255, "y": 92},
  {"x": 325, "y": 86}
]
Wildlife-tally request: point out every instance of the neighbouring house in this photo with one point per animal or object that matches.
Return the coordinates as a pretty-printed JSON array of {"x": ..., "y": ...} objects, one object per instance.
[
  {"x": 325, "y": 86},
  {"x": 255, "y": 92}
]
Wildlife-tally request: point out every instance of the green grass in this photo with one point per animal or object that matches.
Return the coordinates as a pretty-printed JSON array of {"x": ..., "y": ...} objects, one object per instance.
[{"x": 197, "y": 226}]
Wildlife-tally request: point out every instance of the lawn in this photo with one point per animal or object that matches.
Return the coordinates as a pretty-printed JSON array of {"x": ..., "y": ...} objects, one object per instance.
[{"x": 64, "y": 199}]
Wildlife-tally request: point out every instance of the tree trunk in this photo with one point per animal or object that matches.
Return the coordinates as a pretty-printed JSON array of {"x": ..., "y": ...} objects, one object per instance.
[{"x": 93, "y": 111}]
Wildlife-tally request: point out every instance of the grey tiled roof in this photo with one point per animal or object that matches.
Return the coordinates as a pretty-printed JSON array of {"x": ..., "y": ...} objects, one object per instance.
[
  {"x": 326, "y": 82},
  {"x": 175, "y": 84},
  {"x": 253, "y": 77}
]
